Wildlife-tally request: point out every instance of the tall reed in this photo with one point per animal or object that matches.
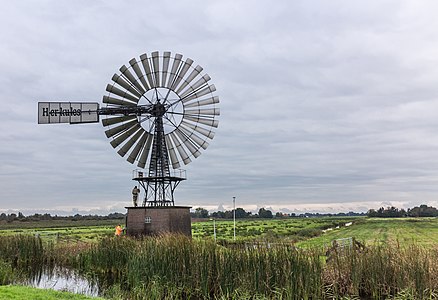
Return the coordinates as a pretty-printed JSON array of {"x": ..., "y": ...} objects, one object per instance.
[
  {"x": 204, "y": 270},
  {"x": 6, "y": 273},
  {"x": 22, "y": 250},
  {"x": 383, "y": 271}
]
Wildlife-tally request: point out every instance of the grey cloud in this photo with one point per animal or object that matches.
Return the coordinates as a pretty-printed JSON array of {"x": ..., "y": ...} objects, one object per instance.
[{"x": 325, "y": 105}]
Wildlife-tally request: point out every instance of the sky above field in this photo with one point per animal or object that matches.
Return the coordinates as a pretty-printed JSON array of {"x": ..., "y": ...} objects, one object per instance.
[{"x": 325, "y": 105}]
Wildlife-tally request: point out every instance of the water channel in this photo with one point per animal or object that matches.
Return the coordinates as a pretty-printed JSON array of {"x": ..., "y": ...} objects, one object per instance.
[{"x": 62, "y": 279}]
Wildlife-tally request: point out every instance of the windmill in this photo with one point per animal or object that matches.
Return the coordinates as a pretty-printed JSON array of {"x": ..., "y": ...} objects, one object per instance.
[{"x": 159, "y": 112}]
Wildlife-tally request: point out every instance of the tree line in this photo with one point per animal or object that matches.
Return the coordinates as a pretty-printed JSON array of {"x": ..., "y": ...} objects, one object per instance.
[
  {"x": 263, "y": 213},
  {"x": 389, "y": 212},
  {"x": 393, "y": 212},
  {"x": 47, "y": 217}
]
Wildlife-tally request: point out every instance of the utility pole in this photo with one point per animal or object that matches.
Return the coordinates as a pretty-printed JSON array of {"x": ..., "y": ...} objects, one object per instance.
[
  {"x": 234, "y": 216},
  {"x": 214, "y": 229}
]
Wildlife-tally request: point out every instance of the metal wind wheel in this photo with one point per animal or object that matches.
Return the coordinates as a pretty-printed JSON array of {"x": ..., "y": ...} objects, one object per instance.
[{"x": 160, "y": 111}]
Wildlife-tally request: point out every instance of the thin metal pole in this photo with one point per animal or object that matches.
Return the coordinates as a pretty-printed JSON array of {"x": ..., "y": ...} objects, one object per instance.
[
  {"x": 234, "y": 216},
  {"x": 214, "y": 229}
]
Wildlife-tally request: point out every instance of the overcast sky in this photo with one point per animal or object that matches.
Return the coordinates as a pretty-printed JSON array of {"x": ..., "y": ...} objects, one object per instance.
[{"x": 325, "y": 105}]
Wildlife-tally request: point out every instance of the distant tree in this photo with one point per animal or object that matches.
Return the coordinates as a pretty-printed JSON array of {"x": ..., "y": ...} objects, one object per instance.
[
  {"x": 228, "y": 214},
  {"x": 11, "y": 217},
  {"x": 218, "y": 214},
  {"x": 241, "y": 213},
  {"x": 281, "y": 215},
  {"x": 116, "y": 216},
  {"x": 265, "y": 213},
  {"x": 423, "y": 211},
  {"x": 389, "y": 212},
  {"x": 200, "y": 212},
  {"x": 372, "y": 213}
]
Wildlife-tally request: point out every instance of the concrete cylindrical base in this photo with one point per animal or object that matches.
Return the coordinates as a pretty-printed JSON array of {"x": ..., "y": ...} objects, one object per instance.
[{"x": 154, "y": 220}]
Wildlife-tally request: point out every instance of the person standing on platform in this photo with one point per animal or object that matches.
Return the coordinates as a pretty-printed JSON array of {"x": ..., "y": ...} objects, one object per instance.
[{"x": 135, "y": 192}]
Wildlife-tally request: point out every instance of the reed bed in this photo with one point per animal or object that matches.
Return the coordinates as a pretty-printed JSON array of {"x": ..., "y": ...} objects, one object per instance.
[
  {"x": 205, "y": 270},
  {"x": 383, "y": 271},
  {"x": 6, "y": 273},
  {"x": 22, "y": 250}
]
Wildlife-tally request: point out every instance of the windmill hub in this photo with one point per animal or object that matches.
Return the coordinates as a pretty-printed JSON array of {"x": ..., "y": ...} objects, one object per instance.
[{"x": 158, "y": 110}]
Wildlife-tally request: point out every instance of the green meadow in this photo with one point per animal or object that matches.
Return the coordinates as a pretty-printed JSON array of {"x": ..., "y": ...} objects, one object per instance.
[
  {"x": 404, "y": 231},
  {"x": 305, "y": 232},
  {"x": 61, "y": 230},
  {"x": 321, "y": 232}
]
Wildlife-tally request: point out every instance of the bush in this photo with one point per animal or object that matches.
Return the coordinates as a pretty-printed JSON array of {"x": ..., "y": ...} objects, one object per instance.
[{"x": 309, "y": 232}]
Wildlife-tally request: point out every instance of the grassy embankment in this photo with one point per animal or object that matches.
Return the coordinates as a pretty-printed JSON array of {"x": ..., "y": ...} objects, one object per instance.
[{"x": 9, "y": 292}]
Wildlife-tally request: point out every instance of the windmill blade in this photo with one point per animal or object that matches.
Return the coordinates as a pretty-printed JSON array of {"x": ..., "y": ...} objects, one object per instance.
[
  {"x": 124, "y": 136},
  {"x": 116, "y": 101},
  {"x": 119, "y": 92},
  {"x": 156, "y": 65},
  {"x": 113, "y": 131},
  {"x": 205, "y": 112},
  {"x": 112, "y": 121},
  {"x": 198, "y": 84},
  {"x": 190, "y": 78},
  {"x": 203, "y": 131},
  {"x": 147, "y": 69},
  {"x": 194, "y": 138},
  {"x": 208, "y": 101},
  {"x": 182, "y": 73},
  {"x": 172, "y": 154},
  {"x": 175, "y": 66},
  {"x": 195, "y": 152},
  {"x": 128, "y": 75},
  {"x": 125, "y": 148},
  {"x": 207, "y": 90},
  {"x": 181, "y": 151},
  {"x": 145, "y": 153},
  {"x": 134, "y": 64},
  {"x": 123, "y": 83},
  {"x": 134, "y": 154},
  {"x": 166, "y": 59},
  {"x": 208, "y": 122}
]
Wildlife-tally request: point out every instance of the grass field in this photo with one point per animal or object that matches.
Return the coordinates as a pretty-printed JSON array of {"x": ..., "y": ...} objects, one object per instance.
[
  {"x": 421, "y": 231},
  {"x": 62, "y": 230},
  {"x": 305, "y": 232},
  {"x": 289, "y": 230},
  {"x": 311, "y": 232}
]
